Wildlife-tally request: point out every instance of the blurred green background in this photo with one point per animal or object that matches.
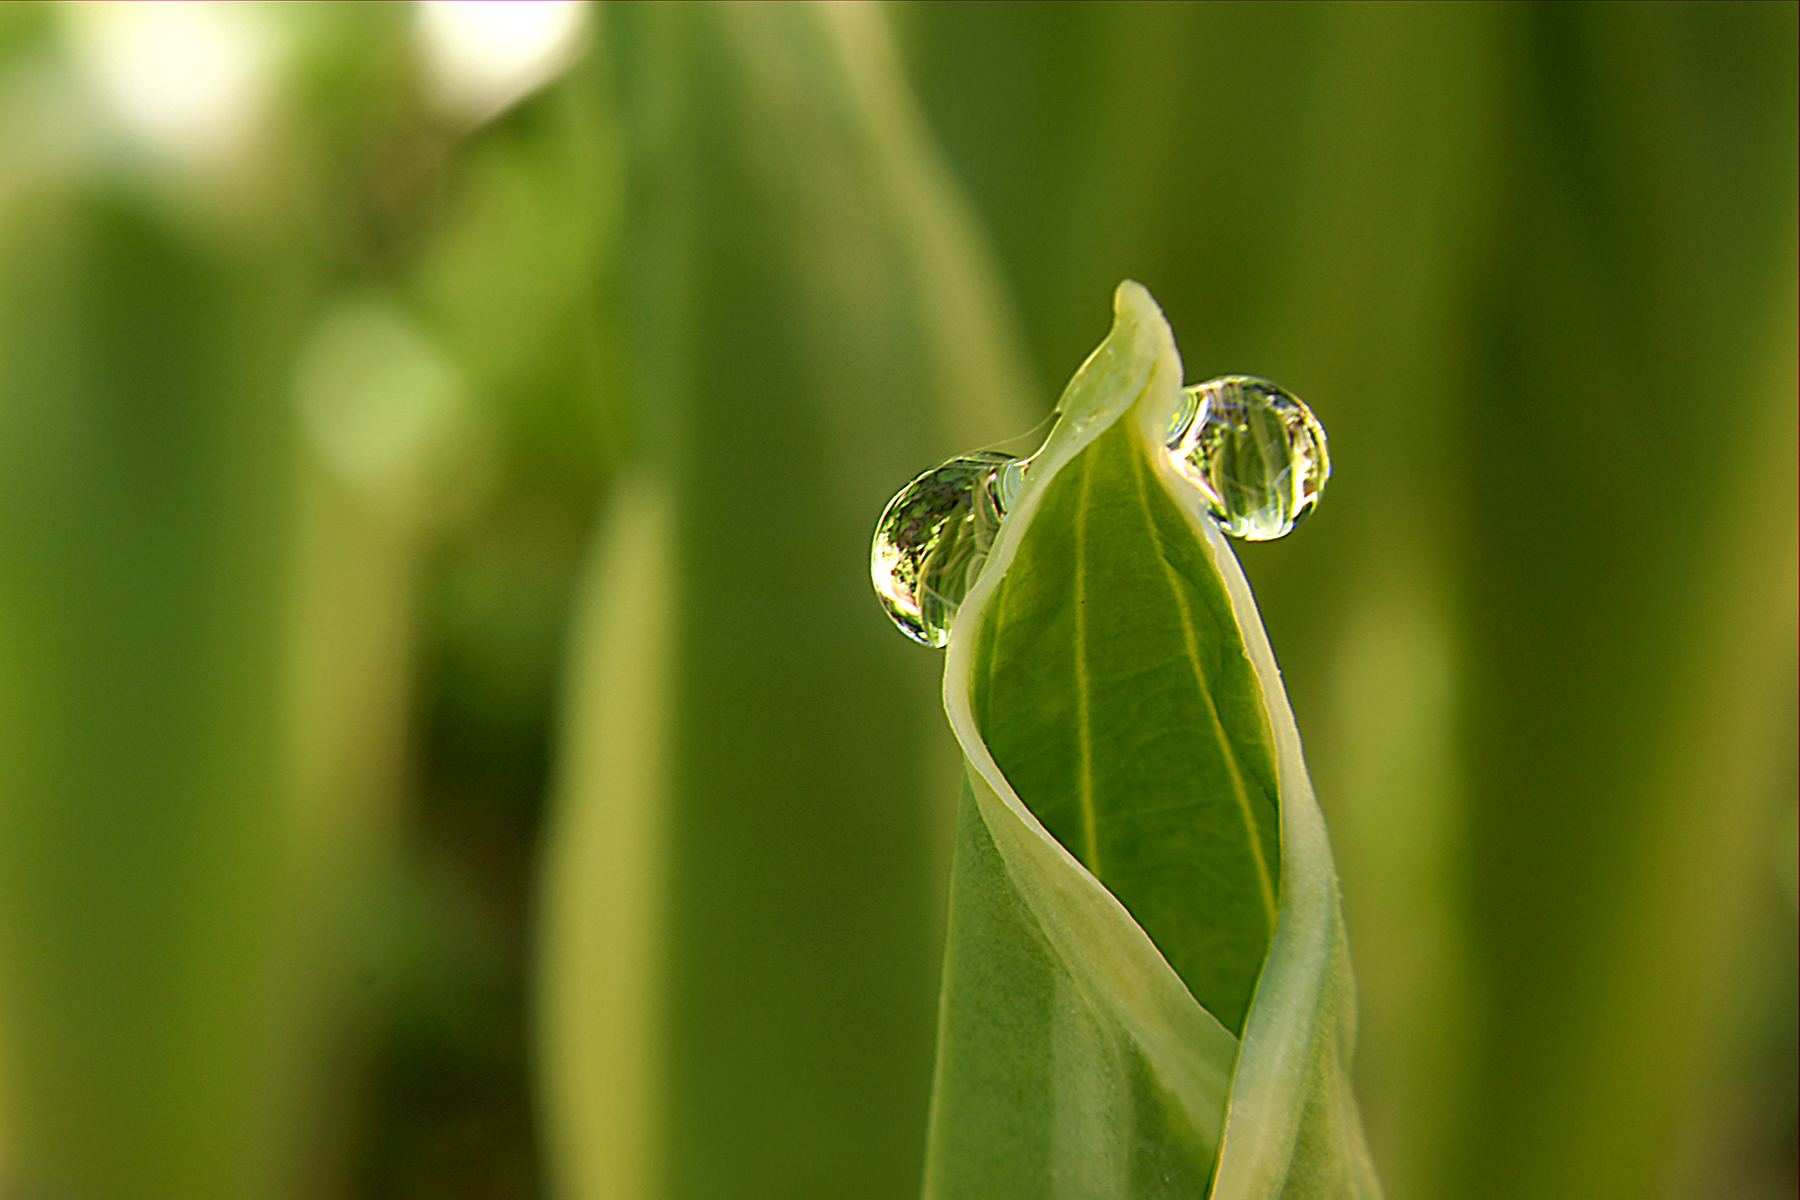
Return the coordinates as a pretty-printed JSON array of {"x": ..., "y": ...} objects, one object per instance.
[{"x": 415, "y": 420}]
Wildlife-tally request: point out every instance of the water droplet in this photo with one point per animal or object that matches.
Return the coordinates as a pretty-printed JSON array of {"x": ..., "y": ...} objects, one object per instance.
[
  {"x": 1255, "y": 450},
  {"x": 934, "y": 536}
]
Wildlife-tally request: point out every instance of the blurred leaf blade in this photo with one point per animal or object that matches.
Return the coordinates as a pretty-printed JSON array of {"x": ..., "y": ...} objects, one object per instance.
[
  {"x": 603, "y": 926},
  {"x": 1071, "y": 1052},
  {"x": 143, "y": 532},
  {"x": 1659, "y": 278},
  {"x": 784, "y": 249}
]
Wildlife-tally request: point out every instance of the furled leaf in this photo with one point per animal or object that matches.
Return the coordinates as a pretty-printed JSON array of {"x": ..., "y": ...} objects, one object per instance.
[{"x": 1142, "y": 871}]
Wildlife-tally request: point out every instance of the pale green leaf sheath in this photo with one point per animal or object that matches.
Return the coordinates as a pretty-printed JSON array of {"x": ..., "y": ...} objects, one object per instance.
[{"x": 1142, "y": 874}]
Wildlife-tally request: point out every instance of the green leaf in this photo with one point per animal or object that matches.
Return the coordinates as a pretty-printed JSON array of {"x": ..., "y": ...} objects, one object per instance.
[
  {"x": 1113, "y": 689},
  {"x": 740, "y": 905},
  {"x": 148, "y": 918},
  {"x": 1141, "y": 869}
]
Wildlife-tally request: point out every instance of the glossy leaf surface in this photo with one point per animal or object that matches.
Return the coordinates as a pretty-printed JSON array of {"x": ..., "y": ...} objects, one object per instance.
[
  {"x": 1111, "y": 657},
  {"x": 1112, "y": 688}
]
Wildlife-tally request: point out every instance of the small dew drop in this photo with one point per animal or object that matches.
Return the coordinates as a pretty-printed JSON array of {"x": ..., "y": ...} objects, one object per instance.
[
  {"x": 934, "y": 536},
  {"x": 1254, "y": 450}
]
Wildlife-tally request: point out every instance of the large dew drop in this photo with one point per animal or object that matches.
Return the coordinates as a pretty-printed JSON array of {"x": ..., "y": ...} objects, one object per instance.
[
  {"x": 1254, "y": 450},
  {"x": 933, "y": 538}
]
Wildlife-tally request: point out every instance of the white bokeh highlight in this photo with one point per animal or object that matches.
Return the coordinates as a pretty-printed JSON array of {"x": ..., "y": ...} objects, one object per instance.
[
  {"x": 191, "y": 80},
  {"x": 482, "y": 56}
]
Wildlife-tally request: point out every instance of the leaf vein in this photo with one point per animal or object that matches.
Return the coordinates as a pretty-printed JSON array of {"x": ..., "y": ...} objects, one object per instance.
[
  {"x": 1090, "y": 829},
  {"x": 1192, "y": 643}
]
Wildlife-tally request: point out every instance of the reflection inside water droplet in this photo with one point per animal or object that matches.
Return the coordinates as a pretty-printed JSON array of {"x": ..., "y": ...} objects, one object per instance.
[
  {"x": 934, "y": 536},
  {"x": 1254, "y": 450}
]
